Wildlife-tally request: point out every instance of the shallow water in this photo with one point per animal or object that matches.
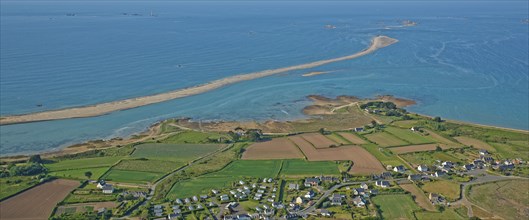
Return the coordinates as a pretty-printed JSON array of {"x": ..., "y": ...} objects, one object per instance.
[{"x": 465, "y": 61}]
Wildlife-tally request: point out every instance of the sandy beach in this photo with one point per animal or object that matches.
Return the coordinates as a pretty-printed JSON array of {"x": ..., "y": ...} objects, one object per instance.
[{"x": 108, "y": 107}]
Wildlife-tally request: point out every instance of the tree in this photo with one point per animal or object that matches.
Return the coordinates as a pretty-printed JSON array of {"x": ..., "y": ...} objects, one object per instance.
[
  {"x": 437, "y": 148},
  {"x": 35, "y": 159},
  {"x": 437, "y": 119},
  {"x": 88, "y": 174}
]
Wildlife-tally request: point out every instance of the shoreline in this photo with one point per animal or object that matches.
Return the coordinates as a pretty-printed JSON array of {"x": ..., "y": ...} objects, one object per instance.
[{"x": 377, "y": 42}]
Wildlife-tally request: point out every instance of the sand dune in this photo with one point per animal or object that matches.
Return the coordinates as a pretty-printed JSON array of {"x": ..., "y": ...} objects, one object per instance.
[{"x": 108, "y": 107}]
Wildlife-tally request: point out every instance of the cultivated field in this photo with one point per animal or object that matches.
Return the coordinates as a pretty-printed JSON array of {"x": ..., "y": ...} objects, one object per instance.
[
  {"x": 250, "y": 168},
  {"x": 507, "y": 199},
  {"x": 352, "y": 138},
  {"x": 384, "y": 155},
  {"x": 405, "y": 124},
  {"x": 155, "y": 166},
  {"x": 318, "y": 140},
  {"x": 82, "y": 163},
  {"x": 309, "y": 168},
  {"x": 174, "y": 152},
  {"x": 417, "y": 148},
  {"x": 30, "y": 204},
  {"x": 396, "y": 206},
  {"x": 130, "y": 176},
  {"x": 409, "y": 136},
  {"x": 447, "y": 214},
  {"x": 429, "y": 158},
  {"x": 421, "y": 199},
  {"x": 448, "y": 189},
  {"x": 84, "y": 207},
  {"x": 277, "y": 148},
  {"x": 440, "y": 138},
  {"x": 80, "y": 173},
  {"x": 475, "y": 143},
  {"x": 385, "y": 139},
  {"x": 338, "y": 139}
]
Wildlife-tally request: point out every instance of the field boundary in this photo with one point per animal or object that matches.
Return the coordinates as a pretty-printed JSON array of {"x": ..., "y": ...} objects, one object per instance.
[
  {"x": 303, "y": 153},
  {"x": 26, "y": 189}
]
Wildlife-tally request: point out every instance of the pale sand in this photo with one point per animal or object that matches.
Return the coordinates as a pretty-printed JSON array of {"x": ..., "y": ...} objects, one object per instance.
[{"x": 106, "y": 108}]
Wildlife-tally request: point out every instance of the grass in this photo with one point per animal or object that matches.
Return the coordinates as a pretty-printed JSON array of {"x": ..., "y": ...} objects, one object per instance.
[
  {"x": 309, "y": 168},
  {"x": 83, "y": 198},
  {"x": 428, "y": 158},
  {"x": 383, "y": 155},
  {"x": 194, "y": 137},
  {"x": 250, "y": 168},
  {"x": 395, "y": 206},
  {"x": 409, "y": 135},
  {"x": 405, "y": 123},
  {"x": 82, "y": 163},
  {"x": 511, "y": 150},
  {"x": 79, "y": 173},
  {"x": 507, "y": 199},
  {"x": 468, "y": 141},
  {"x": 155, "y": 166},
  {"x": 129, "y": 176},
  {"x": 337, "y": 138},
  {"x": 385, "y": 139},
  {"x": 15, "y": 185},
  {"x": 446, "y": 214},
  {"x": 200, "y": 185},
  {"x": 174, "y": 152},
  {"x": 450, "y": 190}
]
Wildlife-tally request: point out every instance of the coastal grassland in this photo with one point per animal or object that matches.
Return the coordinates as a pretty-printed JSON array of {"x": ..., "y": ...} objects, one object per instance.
[
  {"x": 507, "y": 199},
  {"x": 446, "y": 214},
  {"x": 385, "y": 139},
  {"x": 82, "y": 163},
  {"x": 195, "y": 137},
  {"x": 15, "y": 184},
  {"x": 384, "y": 155},
  {"x": 450, "y": 190},
  {"x": 509, "y": 150},
  {"x": 309, "y": 168},
  {"x": 405, "y": 123},
  {"x": 441, "y": 139},
  {"x": 429, "y": 158},
  {"x": 145, "y": 165},
  {"x": 468, "y": 141},
  {"x": 174, "y": 152},
  {"x": 80, "y": 173},
  {"x": 130, "y": 176},
  {"x": 395, "y": 206},
  {"x": 409, "y": 135}
]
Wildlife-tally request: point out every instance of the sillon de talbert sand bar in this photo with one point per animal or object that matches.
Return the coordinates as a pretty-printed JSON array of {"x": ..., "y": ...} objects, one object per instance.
[{"x": 108, "y": 107}]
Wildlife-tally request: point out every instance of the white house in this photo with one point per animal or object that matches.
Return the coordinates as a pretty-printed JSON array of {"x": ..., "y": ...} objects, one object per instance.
[
  {"x": 422, "y": 168},
  {"x": 108, "y": 189}
]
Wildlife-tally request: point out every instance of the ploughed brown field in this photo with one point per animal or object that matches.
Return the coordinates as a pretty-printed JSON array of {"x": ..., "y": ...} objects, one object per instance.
[
  {"x": 277, "y": 148},
  {"x": 352, "y": 138},
  {"x": 364, "y": 162},
  {"x": 418, "y": 148},
  {"x": 318, "y": 140},
  {"x": 38, "y": 202}
]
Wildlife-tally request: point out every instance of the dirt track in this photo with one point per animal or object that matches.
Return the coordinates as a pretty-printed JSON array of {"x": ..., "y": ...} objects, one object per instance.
[{"x": 38, "y": 202}]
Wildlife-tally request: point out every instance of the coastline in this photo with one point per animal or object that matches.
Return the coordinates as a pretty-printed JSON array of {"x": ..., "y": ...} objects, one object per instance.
[{"x": 377, "y": 42}]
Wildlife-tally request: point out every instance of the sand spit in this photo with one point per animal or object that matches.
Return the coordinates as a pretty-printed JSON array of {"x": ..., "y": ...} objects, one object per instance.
[{"x": 106, "y": 108}]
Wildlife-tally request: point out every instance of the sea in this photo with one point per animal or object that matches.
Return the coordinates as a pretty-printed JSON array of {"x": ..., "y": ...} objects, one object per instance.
[{"x": 464, "y": 60}]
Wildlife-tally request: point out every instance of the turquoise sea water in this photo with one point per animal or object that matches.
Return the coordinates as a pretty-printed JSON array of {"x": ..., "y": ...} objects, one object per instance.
[{"x": 465, "y": 61}]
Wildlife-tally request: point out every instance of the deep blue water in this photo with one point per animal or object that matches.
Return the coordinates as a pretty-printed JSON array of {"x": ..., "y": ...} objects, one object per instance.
[{"x": 465, "y": 61}]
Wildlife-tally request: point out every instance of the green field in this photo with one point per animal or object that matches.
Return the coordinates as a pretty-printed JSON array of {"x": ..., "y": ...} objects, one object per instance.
[
  {"x": 396, "y": 206},
  {"x": 385, "y": 139},
  {"x": 385, "y": 156},
  {"x": 199, "y": 185},
  {"x": 507, "y": 199},
  {"x": 129, "y": 176},
  {"x": 82, "y": 163},
  {"x": 250, "y": 168},
  {"x": 155, "y": 166},
  {"x": 194, "y": 137},
  {"x": 447, "y": 214},
  {"x": 511, "y": 150},
  {"x": 174, "y": 152},
  {"x": 429, "y": 158},
  {"x": 406, "y": 123},
  {"x": 409, "y": 135},
  {"x": 12, "y": 185},
  {"x": 79, "y": 173},
  {"x": 306, "y": 168}
]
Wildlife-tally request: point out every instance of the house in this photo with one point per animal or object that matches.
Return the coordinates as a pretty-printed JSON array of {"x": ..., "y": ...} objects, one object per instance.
[
  {"x": 415, "y": 129},
  {"x": 336, "y": 199},
  {"x": 270, "y": 180},
  {"x": 504, "y": 167},
  {"x": 399, "y": 169},
  {"x": 439, "y": 173},
  {"x": 358, "y": 191},
  {"x": 179, "y": 201},
  {"x": 108, "y": 189},
  {"x": 244, "y": 217},
  {"x": 414, "y": 177},
  {"x": 483, "y": 152},
  {"x": 487, "y": 159},
  {"x": 293, "y": 186},
  {"x": 383, "y": 183},
  {"x": 359, "y": 201},
  {"x": 199, "y": 206},
  {"x": 195, "y": 198},
  {"x": 310, "y": 194},
  {"x": 422, "y": 168},
  {"x": 277, "y": 205},
  {"x": 174, "y": 216},
  {"x": 358, "y": 129},
  {"x": 364, "y": 186},
  {"x": 100, "y": 184},
  {"x": 468, "y": 166},
  {"x": 299, "y": 200},
  {"x": 325, "y": 213},
  {"x": 215, "y": 191},
  {"x": 224, "y": 198},
  {"x": 312, "y": 182},
  {"x": 241, "y": 182},
  {"x": 203, "y": 197},
  {"x": 187, "y": 200},
  {"x": 191, "y": 208},
  {"x": 448, "y": 164},
  {"x": 433, "y": 197},
  {"x": 373, "y": 191}
]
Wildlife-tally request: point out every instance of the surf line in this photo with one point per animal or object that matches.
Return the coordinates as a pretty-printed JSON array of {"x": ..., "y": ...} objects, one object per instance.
[{"x": 377, "y": 42}]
